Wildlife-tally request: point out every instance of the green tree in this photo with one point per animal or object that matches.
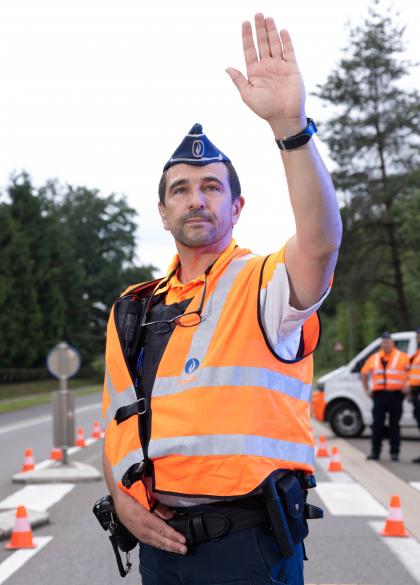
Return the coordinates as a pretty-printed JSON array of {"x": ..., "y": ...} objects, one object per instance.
[
  {"x": 67, "y": 253},
  {"x": 373, "y": 138},
  {"x": 20, "y": 315}
]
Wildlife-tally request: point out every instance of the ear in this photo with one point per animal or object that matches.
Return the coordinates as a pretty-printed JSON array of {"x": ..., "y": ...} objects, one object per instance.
[
  {"x": 237, "y": 206},
  {"x": 162, "y": 211}
]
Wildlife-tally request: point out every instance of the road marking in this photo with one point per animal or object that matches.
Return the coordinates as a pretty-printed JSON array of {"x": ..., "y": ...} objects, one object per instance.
[
  {"x": 415, "y": 485},
  {"x": 88, "y": 442},
  {"x": 43, "y": 419},
  {"x": 349, "y": 499},
  {"x": 406, "y": 549},
  {"x": 20, "y": 557},
  {"x": 37, "y": 497}
]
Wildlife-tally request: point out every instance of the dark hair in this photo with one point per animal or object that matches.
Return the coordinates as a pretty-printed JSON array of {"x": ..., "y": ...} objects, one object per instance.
[{"x": 234, "y": 184}]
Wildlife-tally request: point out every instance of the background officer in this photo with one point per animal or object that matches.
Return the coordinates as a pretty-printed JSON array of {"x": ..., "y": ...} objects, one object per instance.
[{"x": 387, "y": 370}]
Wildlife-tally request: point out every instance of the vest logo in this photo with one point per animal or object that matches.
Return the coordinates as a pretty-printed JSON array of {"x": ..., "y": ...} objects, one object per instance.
[
  {"x": 191, "y": 365},
  {"x": 198, "y": 148}
]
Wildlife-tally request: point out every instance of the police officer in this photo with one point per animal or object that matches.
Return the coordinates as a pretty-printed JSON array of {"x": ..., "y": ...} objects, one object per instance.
[
  {"x": 208, "y": 370},
  {"x": 414, "y": 384},
  {"x": 387, "y": 370}
]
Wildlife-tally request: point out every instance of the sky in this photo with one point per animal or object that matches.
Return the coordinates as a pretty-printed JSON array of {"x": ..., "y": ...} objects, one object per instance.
[{"x": 99, "y": 93}]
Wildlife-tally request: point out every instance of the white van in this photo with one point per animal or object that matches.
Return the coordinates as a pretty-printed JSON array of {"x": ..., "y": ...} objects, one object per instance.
[{"x": 339, "y": 397}]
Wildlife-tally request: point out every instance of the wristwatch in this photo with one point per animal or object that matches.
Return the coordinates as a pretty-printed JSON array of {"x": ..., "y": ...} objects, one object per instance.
[{"x": 300, "y": 138}]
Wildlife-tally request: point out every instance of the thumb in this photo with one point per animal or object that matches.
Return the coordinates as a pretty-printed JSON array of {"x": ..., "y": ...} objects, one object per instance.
[{"x": 238, "y": 79}]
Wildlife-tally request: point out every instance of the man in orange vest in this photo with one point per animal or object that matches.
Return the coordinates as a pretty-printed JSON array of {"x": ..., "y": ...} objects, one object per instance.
[
  {"x": 387, "y": 370},
  {"x": 414, "y": 384},
  {"x": 209, "y": 370}
]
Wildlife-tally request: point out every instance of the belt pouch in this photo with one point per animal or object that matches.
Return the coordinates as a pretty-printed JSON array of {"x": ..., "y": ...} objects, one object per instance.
[{"x": 293, "y": 500}]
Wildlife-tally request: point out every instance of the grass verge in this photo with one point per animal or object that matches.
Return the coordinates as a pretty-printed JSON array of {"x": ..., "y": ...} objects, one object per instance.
[{"x": 27, "y": 401}]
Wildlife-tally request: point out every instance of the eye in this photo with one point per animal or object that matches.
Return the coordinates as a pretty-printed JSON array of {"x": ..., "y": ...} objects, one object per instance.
[
  {"x": 213, "y": 187},
  {"x": 179, "y": 190}
]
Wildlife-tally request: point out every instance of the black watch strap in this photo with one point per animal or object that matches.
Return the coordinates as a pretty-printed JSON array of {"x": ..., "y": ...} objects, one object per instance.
[{"x": 300, "y": 138}]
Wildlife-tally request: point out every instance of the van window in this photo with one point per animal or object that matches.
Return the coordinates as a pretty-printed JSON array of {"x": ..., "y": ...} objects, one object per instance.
[
  {"x": 359, "y": 364},
  {"x": 401, "y": 344}
]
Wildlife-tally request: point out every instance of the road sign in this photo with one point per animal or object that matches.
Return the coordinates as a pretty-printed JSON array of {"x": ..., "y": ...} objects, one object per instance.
[
  {"x": 63, "y": 361},
  {"x": 338, "y": 346}
]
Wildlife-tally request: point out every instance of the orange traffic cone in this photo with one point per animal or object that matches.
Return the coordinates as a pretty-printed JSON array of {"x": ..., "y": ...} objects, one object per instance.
[
  {"x": 96, "y": 434},
  {"x": 56, "y": 454},
  {"x": 394, "y": 524},
  {"x": 22, "y": 532},
  {"x": 335, "y": 463},
  {"x": 29, "y": 461},
  {"x": 80, "y": 437},
  {"x": 322, "y": 450}
]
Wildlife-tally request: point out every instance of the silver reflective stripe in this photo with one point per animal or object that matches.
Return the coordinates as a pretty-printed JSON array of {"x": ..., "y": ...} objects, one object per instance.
[
  {"x": 415, "y": 376},
  {"x": 121, "y": 467},
  {"x": 117, "y": 399},
  {"x": 252, "y": 445},
  {"x": 213, "y": 309},
  {"x": 235, "y": 376},
  {"x": 395, "y": 360},
  {"x": 389, "y": 382}
]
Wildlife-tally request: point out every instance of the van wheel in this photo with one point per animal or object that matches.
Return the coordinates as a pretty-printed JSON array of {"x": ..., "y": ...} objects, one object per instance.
[{"x": 345, "y": 420}]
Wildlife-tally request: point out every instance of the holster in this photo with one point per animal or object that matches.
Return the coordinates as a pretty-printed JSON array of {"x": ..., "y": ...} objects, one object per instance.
[{"x": 120, "y": 537}]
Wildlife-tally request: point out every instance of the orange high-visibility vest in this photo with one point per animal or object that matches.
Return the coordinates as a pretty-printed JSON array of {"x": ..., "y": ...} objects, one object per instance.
[
  {"x": 226, "y": 411},
  {"x": 393, "y": 376},
  {"x": 414, "y": 372}
]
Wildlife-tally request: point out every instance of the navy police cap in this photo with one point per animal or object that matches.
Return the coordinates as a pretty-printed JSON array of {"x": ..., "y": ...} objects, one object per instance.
[
  {"x": 386, "y": 335},
  {"x": 196, "y": 149}
]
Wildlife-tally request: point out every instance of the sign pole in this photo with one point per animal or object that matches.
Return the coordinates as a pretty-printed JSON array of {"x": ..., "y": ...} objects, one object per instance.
[{"x": 63, "y": 362}]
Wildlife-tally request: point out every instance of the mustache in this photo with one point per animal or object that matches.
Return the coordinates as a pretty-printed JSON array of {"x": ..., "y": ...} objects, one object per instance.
[{"x": 197, "y": 214}]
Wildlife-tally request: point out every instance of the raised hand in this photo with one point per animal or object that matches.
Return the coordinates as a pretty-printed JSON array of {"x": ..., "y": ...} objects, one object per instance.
[{"x": 273, "y": 88}]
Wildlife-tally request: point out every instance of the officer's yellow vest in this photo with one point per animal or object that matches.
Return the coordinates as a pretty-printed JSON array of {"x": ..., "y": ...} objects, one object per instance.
[{"x": 226, "y": 411}]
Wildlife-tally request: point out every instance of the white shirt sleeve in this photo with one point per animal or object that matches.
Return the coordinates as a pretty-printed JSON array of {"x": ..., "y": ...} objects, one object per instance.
[{"x": 282, "y": 322}]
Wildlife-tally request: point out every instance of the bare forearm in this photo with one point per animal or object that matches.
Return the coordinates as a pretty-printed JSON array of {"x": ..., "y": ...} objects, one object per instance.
[{"x": 313, "y": 199}]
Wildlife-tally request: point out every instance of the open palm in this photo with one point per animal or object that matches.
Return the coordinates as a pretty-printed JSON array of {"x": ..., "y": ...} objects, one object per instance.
[{"x": 273, "y": 88}]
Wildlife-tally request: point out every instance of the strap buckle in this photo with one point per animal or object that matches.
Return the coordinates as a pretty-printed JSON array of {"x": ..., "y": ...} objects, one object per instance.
[
  {"x": 134, "y": 473},
  {"x": 140, "y": 412},
  {"x": 136, "y": 407}
]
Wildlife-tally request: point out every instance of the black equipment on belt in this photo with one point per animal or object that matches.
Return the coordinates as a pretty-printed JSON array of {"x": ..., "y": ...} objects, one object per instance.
[{"x": 120, "y": 537}]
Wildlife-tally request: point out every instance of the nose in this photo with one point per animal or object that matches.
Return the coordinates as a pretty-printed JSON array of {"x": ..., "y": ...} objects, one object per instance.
[{"x": 197, "y": 199}]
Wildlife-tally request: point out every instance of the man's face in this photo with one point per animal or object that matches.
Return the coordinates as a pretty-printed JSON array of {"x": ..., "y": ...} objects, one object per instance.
[
  {"x": 387, "y": 345},
  {"x": 198, "y": 208}
]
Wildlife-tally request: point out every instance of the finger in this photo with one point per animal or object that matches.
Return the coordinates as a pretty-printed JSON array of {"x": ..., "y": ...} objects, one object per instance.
[
  {"x": 250, "y": 52},
  {"x": 262, "y": 36},
  {"x": 161, "y": 530},
  {"x": 238, "y": 79},
  {"x": 167, "y": 544},
  {"x": 273, "y": 38},
  {"x": 288, "y": 50}
]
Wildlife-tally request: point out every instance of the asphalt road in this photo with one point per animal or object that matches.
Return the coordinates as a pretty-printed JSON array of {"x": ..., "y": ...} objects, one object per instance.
[{"x": 342, "y": 549}]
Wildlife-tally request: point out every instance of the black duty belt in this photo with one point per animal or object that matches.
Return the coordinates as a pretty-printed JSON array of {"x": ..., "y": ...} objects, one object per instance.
[
  {"x": 200, "y": 526},
  {"x": 205, "y": 525}
]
